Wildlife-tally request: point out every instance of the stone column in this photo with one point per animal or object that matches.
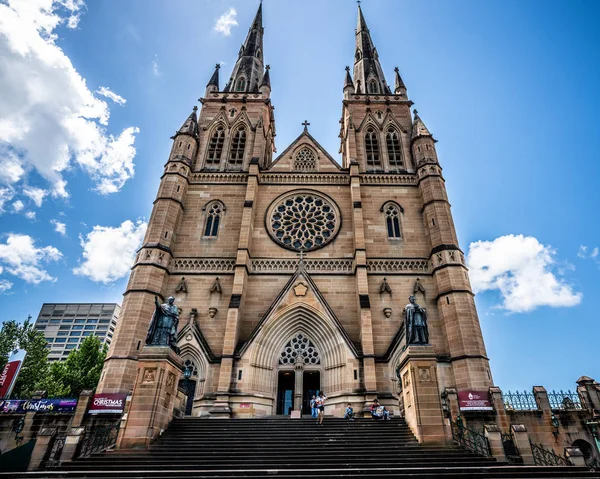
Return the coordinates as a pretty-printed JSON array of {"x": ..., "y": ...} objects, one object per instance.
[
  {"x": 43, "y": 441},
  {"x": 575, "y": 456},
  {"x": 299, "y": 383},
  {"x": 494, "y": 437},
  {"x": 420, "y": 389},
  {"x": 498, "y": 404},
  {"x": 522, "y": 442},
  {"x": 589, "y": 391},
  {"x": 153, "y": 399}
]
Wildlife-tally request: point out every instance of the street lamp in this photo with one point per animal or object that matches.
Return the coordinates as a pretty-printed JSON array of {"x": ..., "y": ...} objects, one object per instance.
[{"x": 555, "y": 425}]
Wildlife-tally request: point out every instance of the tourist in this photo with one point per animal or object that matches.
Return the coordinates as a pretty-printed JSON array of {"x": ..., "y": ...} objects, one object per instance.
[
  {"x": 349, "y": 413},
  {"x": 320, "y": 402},
  {"x": 313, "y": 406},
  {"x": 378, "y": 411}
]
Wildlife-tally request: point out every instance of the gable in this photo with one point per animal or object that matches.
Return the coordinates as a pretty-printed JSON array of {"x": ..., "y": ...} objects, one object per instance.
[{"x": 303, "y": 152}]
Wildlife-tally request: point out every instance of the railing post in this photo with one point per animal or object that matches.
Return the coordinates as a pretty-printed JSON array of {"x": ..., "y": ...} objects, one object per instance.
[
  {"x": 83, "y": 403},
  {"x": 522, "y": 442},
  {"x": 498, "y": 405},
  {"x": 494, "y": 437},
  {"x": 43, "y": 441},
  {"x": 74, "y": 435}
]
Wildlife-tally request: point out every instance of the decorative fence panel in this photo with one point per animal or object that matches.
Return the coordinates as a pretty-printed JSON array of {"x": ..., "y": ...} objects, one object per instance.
[
  {"x": 564, "y": 400},
  {"x": 471, "y": 440},
  {"x": 99, "y": 439},
  {"x": 519, "y": 401},
  {"x": 545, "y": 457}
]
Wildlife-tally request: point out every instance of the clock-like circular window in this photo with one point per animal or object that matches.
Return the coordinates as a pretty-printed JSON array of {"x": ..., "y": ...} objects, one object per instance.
[{"x": 303, "y": 221}]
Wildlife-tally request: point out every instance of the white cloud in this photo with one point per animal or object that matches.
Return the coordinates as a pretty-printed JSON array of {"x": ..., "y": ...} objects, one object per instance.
[
  {"x": 593, "y": 255},
  {"x": 22, "y": 258},
  {"x": 522, "y": 269},
  {"x": 108, "y": 253},
  {"x": 30, "y": 215},
  {"x": 225, "y": 22},
  {"x": 582, "y": 253},
  {"x": 111, "y": 95},
  {"x": 48, "y": 115},
  {"x": 6, "y": 194},
  {"x": 155, "y": 66},
  {"x": 59, "y": 227},
  {"x": 35, "y": 194},
  {"x": 5, "y": 285},
  {"x": 11, "y": 167},
  {"x": 18, "y": 206}
]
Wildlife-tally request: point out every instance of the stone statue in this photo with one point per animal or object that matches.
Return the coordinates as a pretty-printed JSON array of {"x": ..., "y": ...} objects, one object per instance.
[
  {"x": 163, "y": 327},
  {"x": 415, "y": 323},
  {"x": 182, "y": 286}
]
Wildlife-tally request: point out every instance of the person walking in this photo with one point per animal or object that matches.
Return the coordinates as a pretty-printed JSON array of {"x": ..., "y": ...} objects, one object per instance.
[{"x": 320, "y": 402}]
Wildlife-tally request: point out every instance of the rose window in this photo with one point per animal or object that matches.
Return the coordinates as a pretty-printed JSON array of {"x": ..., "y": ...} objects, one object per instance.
[
  {"x": 303, "y": 221},
  {"x": 300, "y": 346}
]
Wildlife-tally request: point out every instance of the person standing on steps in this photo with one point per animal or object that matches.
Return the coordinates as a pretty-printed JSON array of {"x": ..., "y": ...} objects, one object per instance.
[
  {"x": 313, "y": 406},
  {"x": 320, "y": 402}
]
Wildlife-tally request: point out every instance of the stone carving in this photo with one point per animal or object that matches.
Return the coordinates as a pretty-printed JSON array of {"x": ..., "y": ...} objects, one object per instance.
[
  {"x": 163, "y": 327},
  {"x": 304, "y": 178},
  {"x": 452, "y": 255},
  {"x": 387, "y": 312},
  {"x": 385, "y": 287},
  {"x": 241, "y": 178},
  {"x": 161, "y": 255},
  {"x": 212, "y": 312},
  {"x": 181, "y": 287},
  {"x": 148, "y": 254},
  {"x": 171, "y": 380},
  {"x": 311, "y": 265},
  {"x": 439, "y": 258},
  {"x": 394, "y": 266},
  {"x": 418, "y": 287},
  {"x": 415, "y": 321},
  {"x": 376, "y": 179},
  {"x": 216, "y": 287},
  {"x": 424, "y": 375},
  {"x": 201, "y": 265},
  {"x": 149, "y": 375},
  {"x": 300, "y": 289},
  {"x": 193, "y": 316}
]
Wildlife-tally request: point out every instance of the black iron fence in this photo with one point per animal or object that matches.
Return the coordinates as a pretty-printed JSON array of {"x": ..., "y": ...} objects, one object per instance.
[
  {"x": 54, "y": 451},
  {"x": 564, "y": 400},
  {"x": 518, "y": 401},
  {"x": 471, "y": 440},
  {"x": 545, "y": 457},
  {"x": 99, "y": 439}
]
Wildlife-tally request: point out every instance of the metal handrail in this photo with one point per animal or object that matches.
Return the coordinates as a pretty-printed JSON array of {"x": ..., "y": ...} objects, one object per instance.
[
  {"x": 100, "y": 439},
  {"x": 471, "y": 440},
  {"x": 546, "y": 457}
]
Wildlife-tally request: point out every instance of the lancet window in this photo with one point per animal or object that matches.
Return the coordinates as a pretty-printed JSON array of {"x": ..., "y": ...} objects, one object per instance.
[
  {"x": 241, "y": 84},
  {"x": 238, "y": 146},
  {"x": 392, "y": 219},
  {"x": 372, "y": 148},
  {"x": 394, "y": 150},
  {"x": 305, "y": 160},
  {"x": 214, "y": 212},
  {"x": 300, "y": 348},
  {"x": 373, "y": 87},
  {"x": 215, "y": 147}
]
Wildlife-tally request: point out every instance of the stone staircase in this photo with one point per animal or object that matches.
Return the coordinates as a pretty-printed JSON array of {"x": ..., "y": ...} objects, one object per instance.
[{"x": 286, "y": 448}]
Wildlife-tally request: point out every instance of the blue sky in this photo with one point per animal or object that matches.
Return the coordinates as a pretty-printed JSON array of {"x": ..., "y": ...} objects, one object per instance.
[{"x": 509, "y": 89}]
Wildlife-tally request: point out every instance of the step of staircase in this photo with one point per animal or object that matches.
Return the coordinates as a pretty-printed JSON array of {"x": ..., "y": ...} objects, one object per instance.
[{"x": 285, "y": 448}]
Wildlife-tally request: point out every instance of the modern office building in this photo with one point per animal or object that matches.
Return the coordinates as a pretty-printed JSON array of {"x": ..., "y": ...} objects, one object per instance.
[{"x": 65, "y": 325}]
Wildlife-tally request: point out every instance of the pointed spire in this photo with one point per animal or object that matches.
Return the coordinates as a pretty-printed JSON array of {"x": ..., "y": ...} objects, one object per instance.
[
  {"x": 348, "y": 82},
  {"x": 419, "y": 129},
  {"x": 367, "y": 68},
  {"x": 190, "y": 126},
  {"x": 247, "y": 73},
  {"x": 266, "y": 77},
  {"x": 399, "y": 83},
  {"x": 214, "y": 79}
]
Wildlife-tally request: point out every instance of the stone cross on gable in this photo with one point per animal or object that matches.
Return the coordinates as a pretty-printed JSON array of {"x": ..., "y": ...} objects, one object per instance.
[
  {"x": 305, "y": 124},
  {"x": 302, "y": 254}
]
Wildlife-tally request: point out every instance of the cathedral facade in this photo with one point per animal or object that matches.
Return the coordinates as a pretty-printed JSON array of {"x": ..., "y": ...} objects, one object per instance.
[{"x": 292, "y": 273}]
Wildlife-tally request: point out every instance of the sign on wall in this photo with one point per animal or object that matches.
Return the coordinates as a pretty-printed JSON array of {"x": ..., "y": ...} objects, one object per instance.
[
  {"x": 21, "y": 406},
  {"x": 474, "y": 401},
  {"x": 107, "y": 404},
  {"x": 9, "y": 374}
]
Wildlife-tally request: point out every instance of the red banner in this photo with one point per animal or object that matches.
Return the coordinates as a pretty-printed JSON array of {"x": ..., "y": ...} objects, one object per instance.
[
  {"x": 11, "y": 371},
  {"x": 474, "y": 401},
  {"x": 107, "y": 404}
]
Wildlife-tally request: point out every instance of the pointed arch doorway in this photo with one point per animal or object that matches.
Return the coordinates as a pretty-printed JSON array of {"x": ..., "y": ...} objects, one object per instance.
[{"x": 298, "y": 375}]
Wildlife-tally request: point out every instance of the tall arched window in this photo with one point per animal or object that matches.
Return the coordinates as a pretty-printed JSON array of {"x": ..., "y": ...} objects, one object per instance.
[
  {"x": 392, "y": 212},
  {"x": 214, "y": 211},
  {"x": 238, "y": 146},
  {"x": 373, "y": 87},
  {"x": 393, "y": 149},
  {"x": 241, "y": 84},
  {"x": 372, "y": 148},
  {"x": 215, "y": 147}
]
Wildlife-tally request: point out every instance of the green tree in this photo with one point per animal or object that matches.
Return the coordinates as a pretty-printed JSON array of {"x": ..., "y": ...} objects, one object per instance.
[
  {"x": 35, "y": 367},
  {"x": 81, "y": 370}
]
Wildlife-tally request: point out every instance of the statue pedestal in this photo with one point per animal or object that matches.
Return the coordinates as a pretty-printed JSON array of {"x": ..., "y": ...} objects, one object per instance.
[
  {"x": 420, "y": 391},
  {"x": 153, "y": 400}
]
